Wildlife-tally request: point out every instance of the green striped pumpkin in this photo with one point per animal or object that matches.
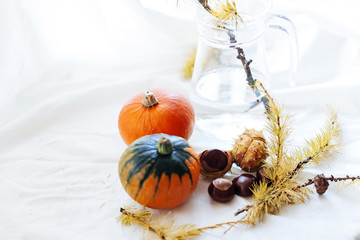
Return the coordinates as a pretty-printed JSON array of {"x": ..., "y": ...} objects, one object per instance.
[{"x": 159, "y": 171}]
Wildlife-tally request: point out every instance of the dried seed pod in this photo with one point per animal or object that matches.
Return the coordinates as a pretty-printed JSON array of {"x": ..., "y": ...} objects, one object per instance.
[
  {"x": 250, "y": 151},
  {"x": 215, "y": 163},
  {"x": 321, "y": 184}
]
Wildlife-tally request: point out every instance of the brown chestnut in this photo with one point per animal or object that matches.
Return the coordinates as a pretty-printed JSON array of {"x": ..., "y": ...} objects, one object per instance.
[
  {"x": 261, "y": 174},
  {"x": 243, "y": 184},
  {"x": 215, "y": 163},
  {"x": 221, "y": 190},
  {"x": 213, "y": 160}
]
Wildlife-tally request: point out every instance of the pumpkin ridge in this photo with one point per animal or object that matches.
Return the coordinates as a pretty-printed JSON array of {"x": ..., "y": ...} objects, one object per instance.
[
  {"x": 126, "y": 162},
  {"x": 148, "y": 172},
  {"x": 168, "y": 193},
  {"x": 142, "y": 117},
  {"x": 155, "y": 190},
  {"x": 139, "y": 165},
  {"x": 179, "y": 169},
  {"x": 190, "y": 162},
  {"x": 143, "y": 155},
  {"x": 144, "y": 160},
  {"x": 186, "y": 170},
  {"x": 133, "y": 160}
]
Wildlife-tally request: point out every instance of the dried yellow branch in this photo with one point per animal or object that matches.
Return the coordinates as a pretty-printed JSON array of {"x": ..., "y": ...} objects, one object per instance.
[
  {"x": 164, "y": 228},
  {"x": 189, "y": 66},
  {"x": 227, "y": 12},
  {"x": 322, "y": 146}
]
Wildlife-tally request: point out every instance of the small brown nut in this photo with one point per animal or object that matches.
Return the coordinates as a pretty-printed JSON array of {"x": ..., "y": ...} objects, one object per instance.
[
  {"x": 215, "y": 163},
  {"x": 221, "y": 190},
  {"x": 262, "y": 174},
  {"x": 243, "y": 184},
  {"x": 250, "y": 151},
  {"x": 321, "y": 184}
]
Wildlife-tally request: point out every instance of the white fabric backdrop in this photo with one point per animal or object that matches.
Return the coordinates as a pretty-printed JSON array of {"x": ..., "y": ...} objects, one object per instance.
[{"x": 66, "y": 68}]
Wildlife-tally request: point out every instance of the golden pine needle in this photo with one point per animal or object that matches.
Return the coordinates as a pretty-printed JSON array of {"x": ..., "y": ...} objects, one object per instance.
[
  {"x": 277, "y": 127},
  {"x": 348, "y": 182},
  {"x": 270, "y": 199},
  {"x": 227, "y": 12},
  {"x": 128, "y": 217},
  {"x": 279, "y": 130},
  {"x": 322, "y": 146},
  {"x": 189, "y": 66},
  {"x": 157, "y": 224},
  {"x": 162, "y": 227}
]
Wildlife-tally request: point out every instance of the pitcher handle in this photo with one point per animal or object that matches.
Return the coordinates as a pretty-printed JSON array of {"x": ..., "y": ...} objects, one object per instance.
[{"x": 284, "y": 24}]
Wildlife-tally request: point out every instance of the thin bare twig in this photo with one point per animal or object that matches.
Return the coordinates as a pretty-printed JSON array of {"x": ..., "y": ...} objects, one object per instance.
[{"x": 331, "y": 178}]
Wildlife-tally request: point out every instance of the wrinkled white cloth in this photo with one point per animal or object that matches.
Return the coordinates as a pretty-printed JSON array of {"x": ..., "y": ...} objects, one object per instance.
[{"x": 66, "y": 69}]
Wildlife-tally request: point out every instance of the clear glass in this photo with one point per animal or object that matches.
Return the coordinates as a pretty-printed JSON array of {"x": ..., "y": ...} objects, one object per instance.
[{"x": 220, "y": 90}]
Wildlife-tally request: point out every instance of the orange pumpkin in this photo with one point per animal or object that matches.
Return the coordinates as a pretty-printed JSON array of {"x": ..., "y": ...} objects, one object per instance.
[
  {"x": 157, "y": 111},
  {"x": 159, "y": 171}
]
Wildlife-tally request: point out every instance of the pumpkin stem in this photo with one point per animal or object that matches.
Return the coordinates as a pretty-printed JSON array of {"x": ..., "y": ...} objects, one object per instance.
[
  {"x": 149, "y": 99},
  {"x": 164, "y": 146}
]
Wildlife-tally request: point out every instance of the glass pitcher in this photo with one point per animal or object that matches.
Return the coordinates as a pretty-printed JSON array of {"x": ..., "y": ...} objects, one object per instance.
[{"x": 230, "y": 57}]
